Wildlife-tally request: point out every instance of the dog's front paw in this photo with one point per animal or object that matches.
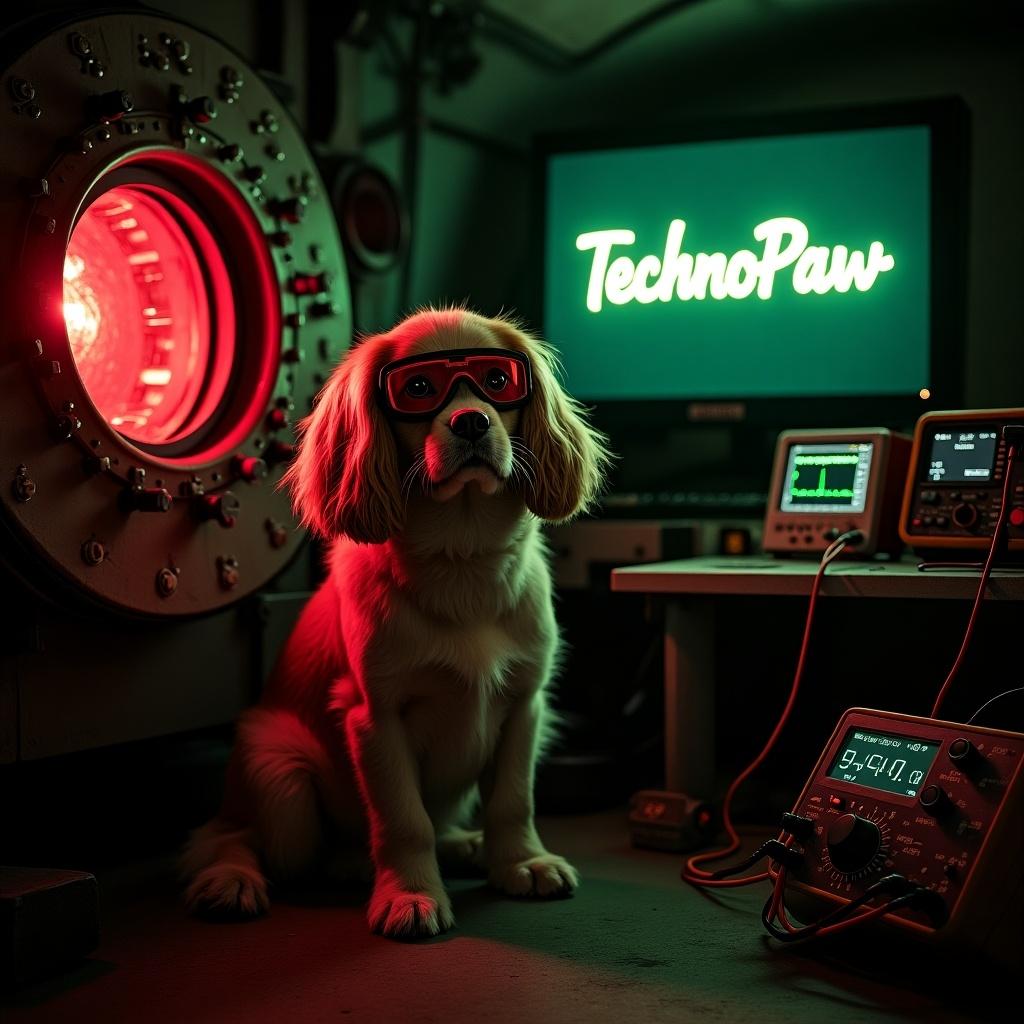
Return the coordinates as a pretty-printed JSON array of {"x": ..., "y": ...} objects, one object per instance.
[
  {"x": 228, "y": 890},
  {"x": 399, "y": 914},
  {"x": 546, "y": 876}
]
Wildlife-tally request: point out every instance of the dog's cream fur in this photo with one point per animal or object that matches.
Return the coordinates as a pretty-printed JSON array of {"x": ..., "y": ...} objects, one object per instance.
[{"x": 413, "y": 688}]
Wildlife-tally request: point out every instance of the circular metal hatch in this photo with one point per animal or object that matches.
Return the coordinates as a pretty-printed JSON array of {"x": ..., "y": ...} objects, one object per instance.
[{"x": 177, "y": 293}]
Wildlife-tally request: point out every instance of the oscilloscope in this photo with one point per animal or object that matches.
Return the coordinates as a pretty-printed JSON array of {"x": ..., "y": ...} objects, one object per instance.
[
  {"x": 954, "y": 492},
  {"x": 825, "y": 482}
]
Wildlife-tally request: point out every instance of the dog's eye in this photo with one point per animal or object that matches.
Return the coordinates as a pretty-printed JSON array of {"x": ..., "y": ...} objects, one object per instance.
[
  {"x": 419, "y": 387},
  {"x": 496, "y": 380}
]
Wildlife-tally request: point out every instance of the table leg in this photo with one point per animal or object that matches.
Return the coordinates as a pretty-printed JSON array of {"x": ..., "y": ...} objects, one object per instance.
[{"x": 690, "y": 698}]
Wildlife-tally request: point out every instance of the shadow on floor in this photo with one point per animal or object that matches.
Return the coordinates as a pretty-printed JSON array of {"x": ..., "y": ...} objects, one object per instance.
[{"x": 633, "y": 944}]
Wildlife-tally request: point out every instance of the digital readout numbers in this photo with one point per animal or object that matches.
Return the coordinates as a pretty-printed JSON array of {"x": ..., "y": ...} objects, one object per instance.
[{"x": 879, "y": 764}]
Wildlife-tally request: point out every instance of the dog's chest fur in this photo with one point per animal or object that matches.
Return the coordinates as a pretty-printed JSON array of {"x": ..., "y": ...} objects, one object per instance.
[
  {"x": 449, "y": 644},
  {"x": 453, "y": 732}
]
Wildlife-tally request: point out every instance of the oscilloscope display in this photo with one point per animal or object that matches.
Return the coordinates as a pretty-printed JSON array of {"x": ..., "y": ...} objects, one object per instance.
[{"x": 826, "y": 477}]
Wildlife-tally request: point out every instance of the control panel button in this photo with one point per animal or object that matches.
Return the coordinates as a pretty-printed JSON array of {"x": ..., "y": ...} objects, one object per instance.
[
  {"x": 935, "y": 801},
  {"x": 111, "y": 106},
  {"x": 961, "y": 750},
  {"x": 325, "y": 309},
  {"x": 146, "y": 499},
  {"x": 221, "y": 508},
  {"x": 967, "y": 757},
  {"x": 289, "y": 210},
  {"x": 277, "y": 419},
  {"x": 280, "y": 451},
  {"x": 248, "y": 467},
  {"x": 309, "y": 284},
  {"x": 1017, "y": 516},
  {"x": 838, "y": 802},
  {"x": 201, "y": 110}
]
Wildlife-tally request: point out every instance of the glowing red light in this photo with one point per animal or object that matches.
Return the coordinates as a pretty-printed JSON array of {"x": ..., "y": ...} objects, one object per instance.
[{"x": 148, "y": 310}]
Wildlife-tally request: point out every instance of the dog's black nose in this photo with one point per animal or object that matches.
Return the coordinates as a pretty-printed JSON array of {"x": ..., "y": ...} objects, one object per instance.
[{"x": 469, "y": 424}]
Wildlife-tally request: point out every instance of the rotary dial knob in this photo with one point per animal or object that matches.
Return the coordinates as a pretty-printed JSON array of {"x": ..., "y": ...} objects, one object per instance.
[
  {"x": 853, "y": 843},
  {"x": 965, "y": 515}
]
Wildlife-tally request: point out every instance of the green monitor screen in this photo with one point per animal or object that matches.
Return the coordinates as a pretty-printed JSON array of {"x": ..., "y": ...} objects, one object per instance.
[
  {"x": 827, "y": 477},
  {"x": 781, "y": 266}
]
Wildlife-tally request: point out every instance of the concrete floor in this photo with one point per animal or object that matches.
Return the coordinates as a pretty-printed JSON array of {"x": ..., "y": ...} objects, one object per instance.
[{"x": 635, "y": 944}]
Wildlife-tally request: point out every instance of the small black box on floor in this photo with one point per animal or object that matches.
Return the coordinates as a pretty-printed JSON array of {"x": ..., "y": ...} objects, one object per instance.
[
  {"x": 48, "y": 917},
  {"x": 662, "y": 820}
]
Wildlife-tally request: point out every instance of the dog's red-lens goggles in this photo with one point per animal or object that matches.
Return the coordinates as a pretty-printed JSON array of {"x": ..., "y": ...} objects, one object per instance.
[{"x": 418, "y": 386}]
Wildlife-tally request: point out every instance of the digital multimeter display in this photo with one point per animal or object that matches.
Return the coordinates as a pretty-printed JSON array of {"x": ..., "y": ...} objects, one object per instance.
[
  {"x": 826, "y": 477},
  {"x": 962, "y": 456},
  {"x": 885, "y": 761}
]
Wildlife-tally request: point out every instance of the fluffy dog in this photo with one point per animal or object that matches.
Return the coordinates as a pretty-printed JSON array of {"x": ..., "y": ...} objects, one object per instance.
[{"x": 412, "y": 694}]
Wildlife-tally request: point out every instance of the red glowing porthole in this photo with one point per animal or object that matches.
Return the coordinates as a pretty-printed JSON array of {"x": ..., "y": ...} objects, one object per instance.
[{"x": 150, "y": 315}]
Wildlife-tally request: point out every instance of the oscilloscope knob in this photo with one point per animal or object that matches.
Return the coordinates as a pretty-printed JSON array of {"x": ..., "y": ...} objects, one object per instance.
[
  {"x": 965, "y": 515},
  {"x": 853, "y": 843}
]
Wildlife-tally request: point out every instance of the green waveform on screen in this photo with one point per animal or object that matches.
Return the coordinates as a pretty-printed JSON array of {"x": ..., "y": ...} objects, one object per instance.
[
  {"x": 821, "y": 491},
  {"x": 826, "y": 460}
]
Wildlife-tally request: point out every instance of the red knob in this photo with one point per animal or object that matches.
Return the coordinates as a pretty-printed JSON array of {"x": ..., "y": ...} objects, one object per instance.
[
  {"x": 248, "y": 467},
  {"x": 277, "y": 419},
  {"x": 289, "y": 210},
  {"x": 1017, "y": 516},
  {"x": 310, "y": 284}
]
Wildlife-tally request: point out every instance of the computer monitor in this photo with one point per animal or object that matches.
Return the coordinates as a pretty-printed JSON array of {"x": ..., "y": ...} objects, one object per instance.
[{"x": 805, "y": 270}]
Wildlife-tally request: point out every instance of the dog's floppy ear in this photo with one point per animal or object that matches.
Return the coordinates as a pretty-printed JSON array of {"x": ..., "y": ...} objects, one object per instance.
[
  {"x": 344, "y": 478},
  {"x": 571, "y": 456}
]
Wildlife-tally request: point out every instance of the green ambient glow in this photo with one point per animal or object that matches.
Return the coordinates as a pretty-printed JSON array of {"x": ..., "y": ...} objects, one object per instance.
[{"x": 685, "y": 276}]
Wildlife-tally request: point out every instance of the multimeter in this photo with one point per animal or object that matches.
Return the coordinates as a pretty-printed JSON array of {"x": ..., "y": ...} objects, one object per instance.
[
  {"x": 954, "y": 490},
  {"x": 940, "y": 803},
  {"x": 825, "y": 482}
]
